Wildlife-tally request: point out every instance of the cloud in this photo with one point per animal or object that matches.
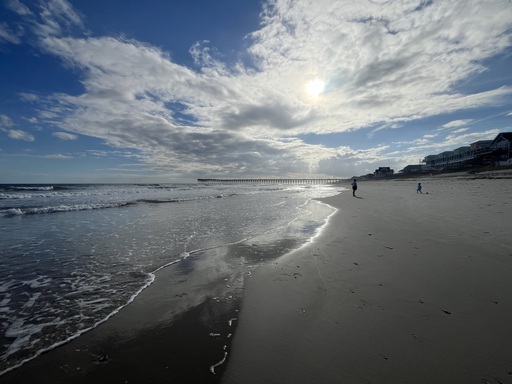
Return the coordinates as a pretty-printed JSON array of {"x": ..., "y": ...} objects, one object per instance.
[
  {"x": 57, "y": 17},
  {"x": 460, "y": 130},
  {"x": 5, "y": 121},
  {"x": 456, "y": 123},
  {"x": 32, "y": 120},
  {"x": 58, "y": 156},
  {"x": 20, "y": 135},
  {"x": 18, "y": 7},
  {"x": 9, "y": 36},
  {"x": 25, "y": 96},
  {"x": 97, "y": 153},
  {"x": 65, "y": 135},
  {"x": 450, "y": 142},
  {"x": 383, "y": 63},
  {"x": 462, "y": 140}
]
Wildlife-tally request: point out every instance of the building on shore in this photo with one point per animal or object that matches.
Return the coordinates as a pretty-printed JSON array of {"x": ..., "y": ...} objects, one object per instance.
[
  {"x": 501, "y": 148},
  {"x": 415, "y": 168},
  {"x": 449, "y": 159},
  {"x": 383, "y": 172},
  {"x": 483, "y": 152}
]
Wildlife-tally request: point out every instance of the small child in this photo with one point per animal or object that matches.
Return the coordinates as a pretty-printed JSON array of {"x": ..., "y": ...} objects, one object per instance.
[{"x": 419, "y": 188}]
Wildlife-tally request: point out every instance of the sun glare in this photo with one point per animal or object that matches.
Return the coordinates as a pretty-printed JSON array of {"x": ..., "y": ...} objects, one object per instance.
[{"x": 315, "y": 87}]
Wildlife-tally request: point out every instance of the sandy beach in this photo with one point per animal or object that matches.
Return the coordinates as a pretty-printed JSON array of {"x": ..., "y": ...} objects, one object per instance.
[{"x": 400, "y": 287}]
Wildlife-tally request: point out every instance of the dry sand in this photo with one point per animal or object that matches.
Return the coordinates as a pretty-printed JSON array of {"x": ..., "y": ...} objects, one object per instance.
[{"x": 400, "y": 287}]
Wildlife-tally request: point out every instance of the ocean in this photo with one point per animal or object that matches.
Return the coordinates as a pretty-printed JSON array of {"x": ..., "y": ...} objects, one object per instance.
[{"x": 72, "y": 256}]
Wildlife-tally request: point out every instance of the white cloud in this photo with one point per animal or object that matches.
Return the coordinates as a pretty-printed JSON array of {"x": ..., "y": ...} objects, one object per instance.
[
  {"x": 468, "y": 138},
  {"x": 460, "y": 130},
  {"x": 57, "y": 17},
  {"x": 456, "y": 123},
  {"x": 9, "y": 36},
  {"x": 18, "y": 7},
  {"x": 28, "y": 96},
  {"x": 382, "y": 63},
  {"x": 5, "y": 121},
  {"x": 97, "y": 153},
  {"x": 20, "y": 135},
  {"x": 451, "y": 141},
  {"x": 32, "y": 120},
  {"x": 65, "y": 135},
  {"x": 58, "y": 156}
]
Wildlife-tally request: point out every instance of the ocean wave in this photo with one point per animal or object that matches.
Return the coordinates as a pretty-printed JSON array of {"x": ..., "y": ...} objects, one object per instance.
[
  {"x": 75, "y": 190},
  {"x": 184, "y": 199},
  {"x": 29, "y": 339},
  {"x": 64, "y": 194},
  {"x": 23, "y": 332},
  {"x": 18, "y": 211},
  {"x": 27, "y": 187},
  {"x": 21, "y": 196},
  {"x": 9, "y": 212}
]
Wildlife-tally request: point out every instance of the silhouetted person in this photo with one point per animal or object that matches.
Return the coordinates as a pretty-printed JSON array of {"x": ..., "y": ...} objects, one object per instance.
[
  {"x": 419, "y": 188},
  {"x": 354, "y": 187}
]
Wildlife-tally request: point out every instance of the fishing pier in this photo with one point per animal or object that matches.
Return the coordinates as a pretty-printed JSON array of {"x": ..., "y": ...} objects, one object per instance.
[{"x": 271, "y": 181}]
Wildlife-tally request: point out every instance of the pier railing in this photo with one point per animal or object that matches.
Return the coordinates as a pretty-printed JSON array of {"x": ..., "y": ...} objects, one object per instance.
[{"x": 271, "y": 181}]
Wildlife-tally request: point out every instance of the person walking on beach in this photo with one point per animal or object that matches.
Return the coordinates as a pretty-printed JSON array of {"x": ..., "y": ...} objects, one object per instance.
[
  {"x": 419, "y": 188},
  {"x": 354, "y": 187}
]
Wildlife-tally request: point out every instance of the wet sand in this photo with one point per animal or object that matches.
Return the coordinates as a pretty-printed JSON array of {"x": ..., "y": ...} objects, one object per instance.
[
  {"x": 175, "y": 331},
  {"x": 400, "y": 287},
  {"x": 178, "y": 330}
]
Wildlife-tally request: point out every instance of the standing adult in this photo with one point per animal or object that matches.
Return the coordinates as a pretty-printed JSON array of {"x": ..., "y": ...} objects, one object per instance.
[{"x": 354, "y": 187}]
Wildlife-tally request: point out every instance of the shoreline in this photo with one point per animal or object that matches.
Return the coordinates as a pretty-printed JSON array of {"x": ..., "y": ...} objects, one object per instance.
[
  {"x": 147, "y": 339},
  {"x": 178, "y": 329},
  {"x": 399, "y": 287}
]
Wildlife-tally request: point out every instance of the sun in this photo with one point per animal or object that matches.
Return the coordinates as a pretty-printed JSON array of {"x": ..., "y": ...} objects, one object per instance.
[{"x": 315, "y": 87}]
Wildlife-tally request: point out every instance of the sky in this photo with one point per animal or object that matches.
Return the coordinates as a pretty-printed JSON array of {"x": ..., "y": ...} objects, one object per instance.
[{"x": 153, "y": 91}]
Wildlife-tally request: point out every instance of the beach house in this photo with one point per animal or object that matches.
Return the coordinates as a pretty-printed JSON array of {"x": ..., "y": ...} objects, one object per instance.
[
  {"x": 415, "y": 168},
  {"x": 500, "y": 148},
  {"x": 383, "y": 171},
  {"x": 482, "y": 152}
]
